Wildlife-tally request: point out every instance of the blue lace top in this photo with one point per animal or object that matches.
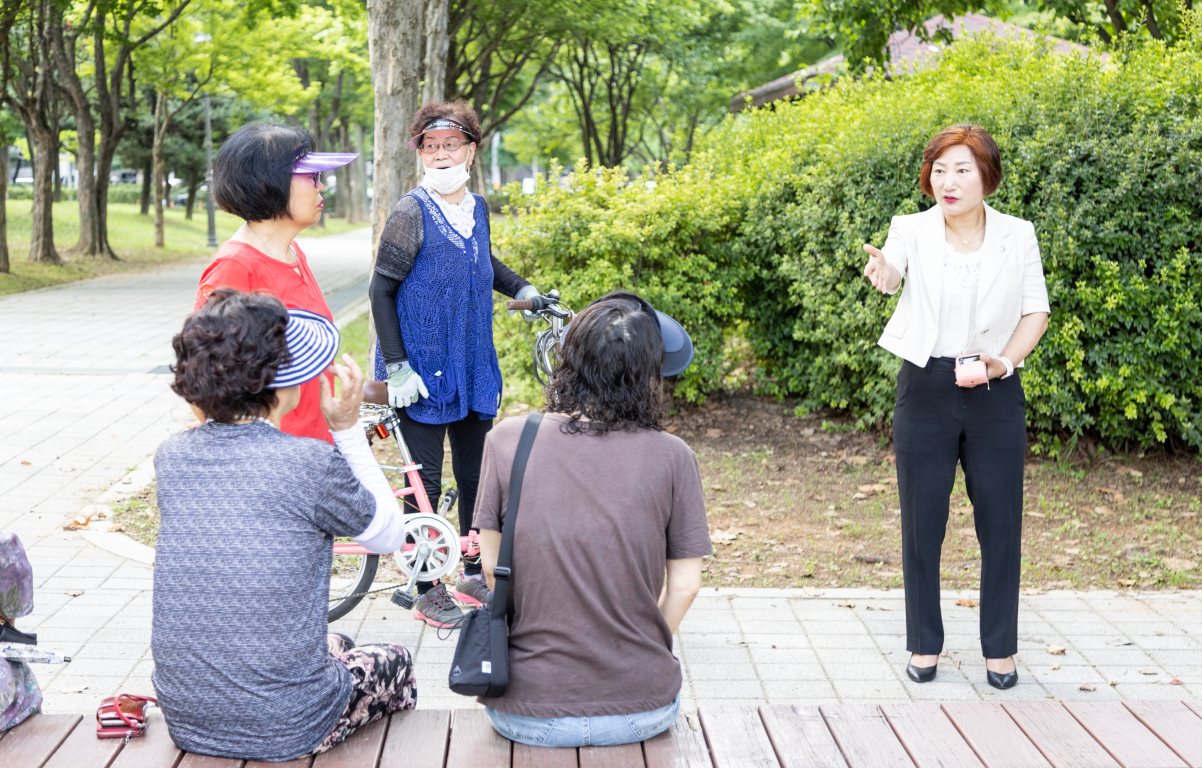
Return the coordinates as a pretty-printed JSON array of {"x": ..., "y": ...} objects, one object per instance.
[{"x": 445, "y": 310}]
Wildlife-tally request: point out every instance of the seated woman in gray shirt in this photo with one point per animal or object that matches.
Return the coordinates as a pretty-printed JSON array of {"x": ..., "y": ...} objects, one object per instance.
[
  {"x": 610, "y": 533},
  {"x": 243, "y": 664}
]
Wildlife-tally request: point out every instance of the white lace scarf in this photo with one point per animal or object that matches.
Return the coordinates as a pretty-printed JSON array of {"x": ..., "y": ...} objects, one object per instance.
[
  {"x": 964, "y": 267},
  {"x": 461, "y": 217}
]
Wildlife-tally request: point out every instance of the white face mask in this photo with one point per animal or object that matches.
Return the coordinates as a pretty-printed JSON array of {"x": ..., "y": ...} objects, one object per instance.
[{"x": 444, "y": 181}]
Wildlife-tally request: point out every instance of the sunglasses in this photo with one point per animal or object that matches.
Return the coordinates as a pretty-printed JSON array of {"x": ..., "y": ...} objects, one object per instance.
[{"x": 313, "y": 177}]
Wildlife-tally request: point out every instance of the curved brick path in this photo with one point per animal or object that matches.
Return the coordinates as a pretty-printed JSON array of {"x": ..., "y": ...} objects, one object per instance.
[{"x": 78, "y": 404}]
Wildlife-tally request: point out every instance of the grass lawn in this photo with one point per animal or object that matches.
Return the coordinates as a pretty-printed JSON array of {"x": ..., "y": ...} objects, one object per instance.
[
  {"x": 131, "y": 235},
  {"x": 794, "y": 504},
  {"x": 354, "y": 343}
]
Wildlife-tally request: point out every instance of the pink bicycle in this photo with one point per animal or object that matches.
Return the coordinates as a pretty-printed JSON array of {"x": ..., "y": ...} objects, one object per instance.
[{"x": 433, "y": 547}]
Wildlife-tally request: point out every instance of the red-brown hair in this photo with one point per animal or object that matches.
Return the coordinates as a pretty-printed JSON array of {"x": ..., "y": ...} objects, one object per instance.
[{"x": 979, "y": 142}]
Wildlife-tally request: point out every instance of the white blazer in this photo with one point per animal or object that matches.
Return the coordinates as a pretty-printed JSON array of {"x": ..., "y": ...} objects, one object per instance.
[{"x": 1010, "y": 283}]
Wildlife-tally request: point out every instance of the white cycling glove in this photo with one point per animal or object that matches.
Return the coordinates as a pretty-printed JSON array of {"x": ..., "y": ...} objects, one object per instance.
[
  {"x": 527, "y": 292},
  {"x": 404, "y": 385}
]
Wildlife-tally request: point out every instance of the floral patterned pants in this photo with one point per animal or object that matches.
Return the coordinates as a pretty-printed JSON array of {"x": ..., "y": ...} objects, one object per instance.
[{"x": 383, "y": 683}]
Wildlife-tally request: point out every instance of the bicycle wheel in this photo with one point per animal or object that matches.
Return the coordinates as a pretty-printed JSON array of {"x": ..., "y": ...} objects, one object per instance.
[
  {"x": 432, "y": 544},
  {"x": 350, "y": 577}
]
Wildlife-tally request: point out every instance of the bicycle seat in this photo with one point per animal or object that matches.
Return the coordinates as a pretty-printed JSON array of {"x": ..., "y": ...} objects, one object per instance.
[{"x": 375, "y": 392}]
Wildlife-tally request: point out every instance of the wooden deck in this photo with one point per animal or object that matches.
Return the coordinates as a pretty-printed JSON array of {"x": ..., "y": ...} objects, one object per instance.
[{"x": 1146, "y": 734}]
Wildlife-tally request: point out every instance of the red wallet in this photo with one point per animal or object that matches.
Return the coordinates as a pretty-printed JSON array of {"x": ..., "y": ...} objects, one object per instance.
[{"x": 122, "y": 716}]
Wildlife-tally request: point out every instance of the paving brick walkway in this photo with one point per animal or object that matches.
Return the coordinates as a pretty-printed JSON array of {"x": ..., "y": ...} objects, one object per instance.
[{"x": 78, "y": 409}]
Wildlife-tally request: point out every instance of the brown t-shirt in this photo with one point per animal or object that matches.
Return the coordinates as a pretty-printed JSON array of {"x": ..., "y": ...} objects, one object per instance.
[{"x": 599, "y": 517}]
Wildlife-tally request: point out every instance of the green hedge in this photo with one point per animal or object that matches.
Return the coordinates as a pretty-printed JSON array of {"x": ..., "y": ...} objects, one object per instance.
[
  {"x": 602, "y": 232},
  {"x": 25, "y": 192},
  {"x": 118, "y": 193},
  {"x": 125, "y": 193},
  {"x": 760, "y": 237}
]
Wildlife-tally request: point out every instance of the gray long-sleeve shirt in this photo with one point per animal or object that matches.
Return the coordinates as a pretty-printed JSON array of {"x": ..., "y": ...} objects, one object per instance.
[{"x": 241, "y": 588}]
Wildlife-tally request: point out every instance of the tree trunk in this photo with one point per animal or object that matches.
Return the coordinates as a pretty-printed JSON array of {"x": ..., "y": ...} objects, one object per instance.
[
  {"x": 58, "y": 178},
  {"x": 85, "y": 190},
  {"x": 344, "y": 173},
  {"x": 160, "y": 182},
  {"x": 394, "y": 43},
  {"x": 104, "y": 166},
  {"x": 352, "y": 175},
  {"x": 437, "y": 44},
  {"x": 361, "y": 201},
  {"x": 41, "y": 246},
  {"x": 194, "y": 180},
  {"x": 4, "y": 205},
  {"x": 478, "y": 182},
  {"x": 64, "y": 41},
  {"x": 85, "y": 185},
  {"x": 147, "y": 174}
]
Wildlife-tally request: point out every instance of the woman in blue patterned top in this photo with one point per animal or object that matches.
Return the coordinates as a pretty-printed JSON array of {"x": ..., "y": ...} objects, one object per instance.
[{"x": 431, "y": 298}]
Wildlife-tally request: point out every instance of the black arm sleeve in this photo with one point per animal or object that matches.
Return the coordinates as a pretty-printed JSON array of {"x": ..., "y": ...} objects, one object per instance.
[
  {"x": 504, "y": 279},
  {"x": 401, "y": 239},
  {"x": 382, "y": 292}
]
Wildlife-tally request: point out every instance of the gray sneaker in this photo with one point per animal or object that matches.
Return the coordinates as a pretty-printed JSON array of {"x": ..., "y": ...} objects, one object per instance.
[
  {"x": 472, "y": 591},
  {"x": 437, "y": 609}
]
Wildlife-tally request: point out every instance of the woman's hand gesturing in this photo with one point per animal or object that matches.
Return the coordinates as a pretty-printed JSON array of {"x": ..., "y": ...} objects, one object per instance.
[
  {"x": 343, "y": 412},
  {"x": 878, "y": 271}
]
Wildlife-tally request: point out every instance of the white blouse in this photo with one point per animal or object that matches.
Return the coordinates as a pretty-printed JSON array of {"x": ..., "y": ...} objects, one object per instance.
[
  {"x": 461, "y": 216},
  {"x": 957, "y": 302}
]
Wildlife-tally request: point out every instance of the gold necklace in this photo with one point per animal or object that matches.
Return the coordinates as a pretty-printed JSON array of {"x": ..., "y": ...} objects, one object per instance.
[{"x": 970, "y": 237}]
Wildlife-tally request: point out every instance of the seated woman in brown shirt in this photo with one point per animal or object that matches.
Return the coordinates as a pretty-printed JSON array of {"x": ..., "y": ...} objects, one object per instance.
[{"x": 610, "y": 504}]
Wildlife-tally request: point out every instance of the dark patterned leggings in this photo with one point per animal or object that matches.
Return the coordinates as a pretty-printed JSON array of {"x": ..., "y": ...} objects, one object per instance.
[{"x": 383, "y": 683}]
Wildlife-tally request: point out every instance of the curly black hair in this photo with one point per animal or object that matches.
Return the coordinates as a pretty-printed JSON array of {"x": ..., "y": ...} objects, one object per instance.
[
  {"x": 608, "y": 377},
  {"x": 228, "y": 354}
]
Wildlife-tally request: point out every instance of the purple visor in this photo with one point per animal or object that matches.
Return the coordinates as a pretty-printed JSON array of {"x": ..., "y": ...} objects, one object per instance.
[{"x": 323, "y": 161}]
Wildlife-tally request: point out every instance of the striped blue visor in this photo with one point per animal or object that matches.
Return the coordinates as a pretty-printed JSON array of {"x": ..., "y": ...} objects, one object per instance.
[{"x": 312, "y": 344}]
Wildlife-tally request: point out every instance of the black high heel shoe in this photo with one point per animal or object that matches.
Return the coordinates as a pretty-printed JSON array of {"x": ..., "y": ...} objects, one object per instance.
[
  {"x": 1002, "y": 681},
  {"x": 921, "y": 674}
]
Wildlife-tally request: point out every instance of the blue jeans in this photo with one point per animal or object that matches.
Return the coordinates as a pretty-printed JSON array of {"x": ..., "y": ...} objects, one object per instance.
[{"x": 597, "y": 731}]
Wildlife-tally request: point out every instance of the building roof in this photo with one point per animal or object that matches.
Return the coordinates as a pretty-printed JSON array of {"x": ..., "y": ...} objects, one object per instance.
[{"x": 905, "y": 48}]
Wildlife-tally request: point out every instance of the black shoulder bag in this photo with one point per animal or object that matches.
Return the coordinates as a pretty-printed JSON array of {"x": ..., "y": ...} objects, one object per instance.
[{"x": 481, "y": 665}]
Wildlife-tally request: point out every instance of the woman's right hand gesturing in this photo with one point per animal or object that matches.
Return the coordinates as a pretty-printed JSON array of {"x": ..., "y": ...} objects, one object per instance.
[
  {"x": 878, "y": 271},
  {"x": 342, "y": 412}
]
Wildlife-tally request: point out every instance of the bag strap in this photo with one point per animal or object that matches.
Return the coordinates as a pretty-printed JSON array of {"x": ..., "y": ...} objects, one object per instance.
[
  {"x": 129, "y": 721},
  {"x": 499, "y": 604}
]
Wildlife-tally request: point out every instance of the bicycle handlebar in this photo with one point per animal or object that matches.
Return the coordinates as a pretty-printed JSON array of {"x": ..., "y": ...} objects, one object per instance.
[{"x": 547, "y": 304}]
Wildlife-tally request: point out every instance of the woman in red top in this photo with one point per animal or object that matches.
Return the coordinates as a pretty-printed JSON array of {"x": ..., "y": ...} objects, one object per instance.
[{"x": 268, "y": 175}]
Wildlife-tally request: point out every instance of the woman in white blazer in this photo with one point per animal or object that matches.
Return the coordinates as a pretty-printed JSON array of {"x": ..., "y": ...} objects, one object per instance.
[{"x": 973, "y": 285}]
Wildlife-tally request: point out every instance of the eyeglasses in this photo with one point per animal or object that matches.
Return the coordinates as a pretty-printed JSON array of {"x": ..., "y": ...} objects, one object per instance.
[
  {"x": 450, "y": 145},
  {"x": 313, "y": 177}
]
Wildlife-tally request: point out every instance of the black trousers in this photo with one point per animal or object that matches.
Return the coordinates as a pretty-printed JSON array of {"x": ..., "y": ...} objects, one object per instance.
[
  {"x": 467, "y": 450},
  {"x": 936, "y": 424}
]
